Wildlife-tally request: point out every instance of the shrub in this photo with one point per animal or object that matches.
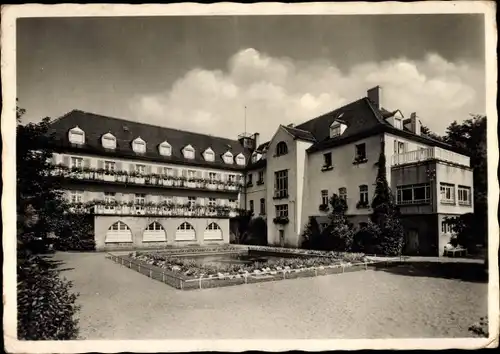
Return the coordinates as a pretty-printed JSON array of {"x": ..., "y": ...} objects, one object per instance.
[
  {"x": 46, "y": 307},
  {"x": 76, "y": 233},
  {"x": 257, "y": 232},
  {"x": 366, "y": 239},
  {"x": 465, "y": 228},
  {"x": 311, "y": 234}
]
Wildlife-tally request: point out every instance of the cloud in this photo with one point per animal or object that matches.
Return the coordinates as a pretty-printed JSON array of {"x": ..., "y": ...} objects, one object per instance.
[{"x": 281, "y": 91}]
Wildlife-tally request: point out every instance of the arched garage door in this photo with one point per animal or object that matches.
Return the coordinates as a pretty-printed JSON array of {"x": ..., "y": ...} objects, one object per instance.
[
  {"x": 213, "y": 232},
  {"x": 118, "y": 232},
  {"x": 154, "y": 233},
  {"x": 185, "y": 232}
]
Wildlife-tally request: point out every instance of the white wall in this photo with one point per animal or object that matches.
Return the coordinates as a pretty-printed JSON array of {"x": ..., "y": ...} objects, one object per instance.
[{"x": 302, "y": 186}]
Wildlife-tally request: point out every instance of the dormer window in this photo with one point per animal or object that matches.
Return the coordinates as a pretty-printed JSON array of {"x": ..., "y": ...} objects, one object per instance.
[
  {"x": 256, "y": 157},
  {"x": 108, "y": 141},
  {"x": 209, "y": 155},
  {"x": 76, "y": 136},
  {"x": 165, "y": 149},
  {"x": 228, "y": 158},
  {"x": 337, "y": 129},
  {"x": 398, "y": 123},
  {"x": 139, "y": 146},
  {"x": 188, "y": 152},
  {"x": 281, "y": 148},
  {"x": 240, "y": 159}
]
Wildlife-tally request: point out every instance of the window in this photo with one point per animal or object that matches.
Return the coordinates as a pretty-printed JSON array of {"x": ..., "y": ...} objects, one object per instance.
[
  {"x": 191, "y": 203},
  {"x": 185, "y": 226},
  {"x": 209, "y": 155},
  {"x": 335, "y": 130},
  {"x": 228, "y": 158},
  {"x": 231, "y": 178},
  {"x": 109, "y": 166},
  {"x": 119, "y": 226},
  {"x": 401, "y": 147},
  {"x": 360, "y": 152},
  {"x": 413, "y": 194},
  {"x": 464, "y": 195},
  {"x": 233, "y": 203},
  {"x": 108, "y": 141},
  {"x": 240, "y": 159},
  {"x": 109, "y": 199},
  {"x": 165, "y": 149},
  {"x": 76, "y": 136},
  {"x": 262, "y": 206},
  {"x": 281, "y": 148},
  {"x": 212, "y": 176},
  {"x": 76, "y": 162},
  {"x": 327, "y": 159},
  {"x": 188, "y": 152},
  {"x": 343, "y": 193},
  {"x": 363, "y": 194},
  {"x": 139, "y": 146},
  {"x": 211, "y": 204},
  {"x": 249, "y": 179},
  {"x": 191, "y": 174},
  {"x": 251, "y": 206},
  {"x": 167, "y": 171},
  {"x": 261, "y": 177},
  {"x": 447, "y": 193},
  {"x": 155, "y": 226},
  {"x": 76, "y": 196},
  {"x": 281, "y": 184},
  {"x": 445, "y": 227},
  {"x": 397, "y": 123},
  {"x": 282, "y": 210},
  {"x": 140, "y": 201},
  {"x": 213, "y": 226},
  {"x": 324, "y": 197},
  {"x": 141, "y": 169}
]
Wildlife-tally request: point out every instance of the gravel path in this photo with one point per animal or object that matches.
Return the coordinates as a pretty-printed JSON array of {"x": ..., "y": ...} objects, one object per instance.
[{"x": 118, "y": 303}]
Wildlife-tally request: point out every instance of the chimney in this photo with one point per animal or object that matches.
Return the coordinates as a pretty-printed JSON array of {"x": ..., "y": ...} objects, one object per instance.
[
  {"x": 415, "y": 123},
  {"x": 375, "y": 95},
  {"x": 256, "y": 139}
]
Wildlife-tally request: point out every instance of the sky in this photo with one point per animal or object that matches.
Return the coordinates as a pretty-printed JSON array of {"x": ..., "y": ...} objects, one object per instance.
[{"x": 198, "y": 73}]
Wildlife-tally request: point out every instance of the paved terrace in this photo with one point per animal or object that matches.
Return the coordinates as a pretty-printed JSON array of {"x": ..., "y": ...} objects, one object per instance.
[{"x": 412, "y": 301}]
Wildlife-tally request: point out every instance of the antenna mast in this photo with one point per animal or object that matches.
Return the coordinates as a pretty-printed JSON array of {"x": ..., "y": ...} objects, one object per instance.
[{"x": 245, "y": 127}]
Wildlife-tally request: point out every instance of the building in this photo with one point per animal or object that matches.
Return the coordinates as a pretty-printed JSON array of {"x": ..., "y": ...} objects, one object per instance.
[
  {"x": 149, "y": 186},
  {"x": 155, "y": 186},
  {"x": 291, "y": 177}
]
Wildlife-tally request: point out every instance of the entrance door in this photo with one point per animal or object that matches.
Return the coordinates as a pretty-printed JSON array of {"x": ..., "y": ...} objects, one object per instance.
[
  {"x": 282, "y": 237},
  {"x": 412, "y": 242}
]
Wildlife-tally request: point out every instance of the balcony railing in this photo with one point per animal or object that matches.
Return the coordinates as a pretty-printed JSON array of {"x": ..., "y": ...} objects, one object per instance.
[
  {"x": 123, "y": 177},
  {"x": 152, "y": 209},
  {"x": 430, "y": 154}
]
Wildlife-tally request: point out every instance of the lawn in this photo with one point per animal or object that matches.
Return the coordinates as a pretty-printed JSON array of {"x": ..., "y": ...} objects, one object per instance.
[{"x": 118, "y": 303}]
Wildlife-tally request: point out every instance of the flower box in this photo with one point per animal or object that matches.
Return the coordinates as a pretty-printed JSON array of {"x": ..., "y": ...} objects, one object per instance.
[
  {"x": 109, "y": 178},
  {"x": 139, "y": 180}
]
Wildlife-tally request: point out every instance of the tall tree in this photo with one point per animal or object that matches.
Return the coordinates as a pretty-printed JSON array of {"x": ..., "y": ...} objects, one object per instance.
[{"x": 385, "y": 213}]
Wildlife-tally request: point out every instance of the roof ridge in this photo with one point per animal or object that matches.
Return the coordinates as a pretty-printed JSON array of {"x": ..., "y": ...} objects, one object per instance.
[
  {"x": 148, "y": 124},
  {"x": 306, "y": 131}
]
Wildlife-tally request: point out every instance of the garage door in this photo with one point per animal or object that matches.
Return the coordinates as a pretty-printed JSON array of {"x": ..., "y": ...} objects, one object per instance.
[
  {"x": 154, "y": 233},
  {"x": 185, "y": 232},
  {"x": 213, "y": 232},
  {"x": 118, "y": 232}
]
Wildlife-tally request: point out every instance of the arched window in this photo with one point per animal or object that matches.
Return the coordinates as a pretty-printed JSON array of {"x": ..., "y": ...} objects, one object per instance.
[
  {"x": 228, "y": 157},
  {"x": 76, "y": 136},
  {"x": 119, "y": 226},
  {"x": 240, "y": 159},
  {"x": 281, "y": 149},
  {"x": 209, "y": 155},
  {"x": 165, "y": 149},
  {"x": 139, "y": 146},
  {"x": 108, "y": 141},
  {"x": 188, "y": 152},
  {"x": 185, "y": 226},
  {"x": 155, "y": 226},
  {"x": 213, "y": 226}
]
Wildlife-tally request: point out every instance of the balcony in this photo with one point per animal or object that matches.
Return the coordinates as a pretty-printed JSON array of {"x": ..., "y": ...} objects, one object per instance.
[
  {"x": 152, "y": 209},
  {"x": 432, "y": 153},
  {"x": 146, "y": 180}
]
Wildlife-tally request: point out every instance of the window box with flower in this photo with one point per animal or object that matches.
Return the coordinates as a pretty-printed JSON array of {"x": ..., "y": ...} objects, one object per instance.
[
  {"x": 362, "y": 204},
  {"x": 281, "y": 220},
  {"x": 326, "y": 168},
  {"x": 323, "y": 207}
]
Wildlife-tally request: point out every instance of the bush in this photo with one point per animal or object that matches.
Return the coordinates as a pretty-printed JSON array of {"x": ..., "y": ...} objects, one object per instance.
[
  {"x": 366, "y": 239},
  {"x": 76, "y": 233},
  {"x": 257, "y": 232},
  {"x": 46, "y": 307},
  {"x": 465, "y": 227},
  {"x": 311, "y": 234}
]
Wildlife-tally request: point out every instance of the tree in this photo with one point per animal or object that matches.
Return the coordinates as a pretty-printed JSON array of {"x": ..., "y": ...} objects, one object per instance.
[
  {"x": 311, "y": 234},
  {"x": 385, "y": 214},
  {"x": 46, "y": 307},
  {"x": 256, "y": 233},
  {"x": 426, "y": 131},
  {"x": 338, "y": 235}
]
